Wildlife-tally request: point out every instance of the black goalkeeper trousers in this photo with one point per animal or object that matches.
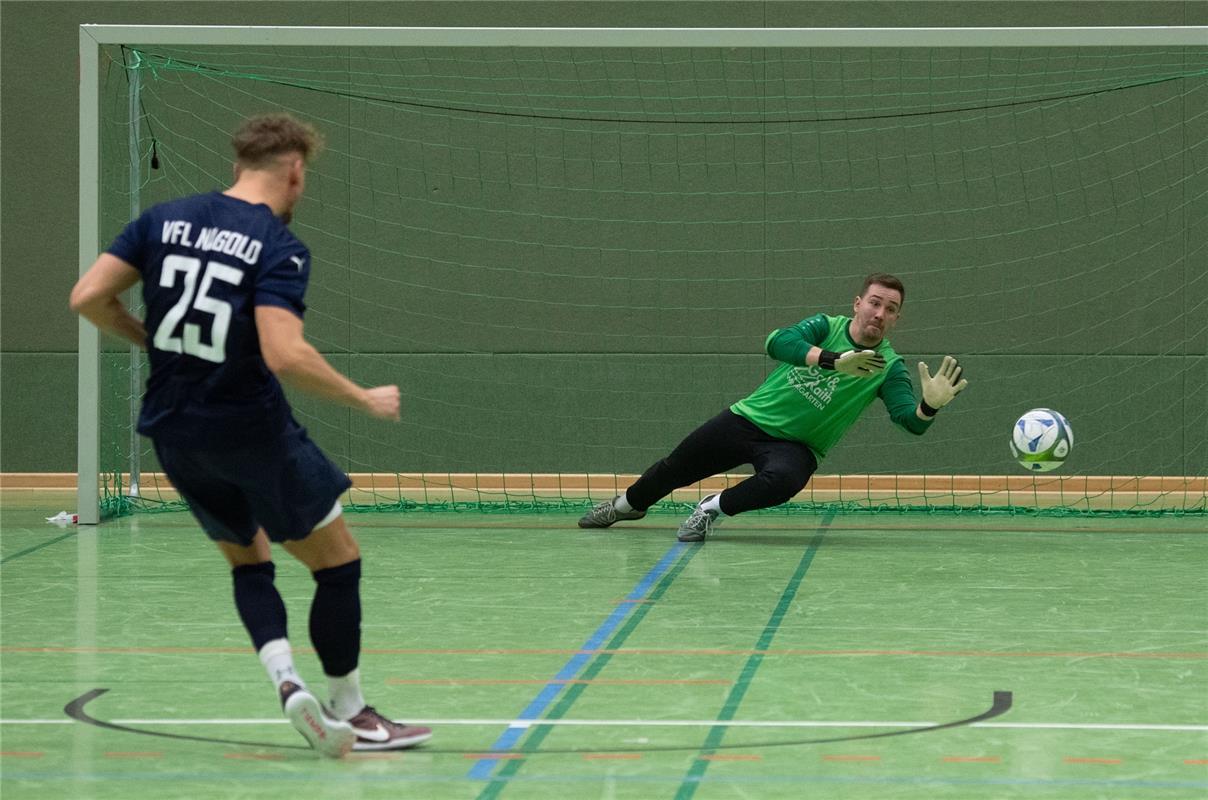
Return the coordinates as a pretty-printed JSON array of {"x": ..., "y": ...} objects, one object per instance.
[{"x": 782, "y": 467}]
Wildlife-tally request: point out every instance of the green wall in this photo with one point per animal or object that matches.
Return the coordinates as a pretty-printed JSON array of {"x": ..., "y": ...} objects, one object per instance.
[{"x": 1155, "y": 422}]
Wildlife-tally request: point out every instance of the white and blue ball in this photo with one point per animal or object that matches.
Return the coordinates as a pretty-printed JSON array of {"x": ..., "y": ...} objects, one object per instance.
[{"x": 1041, "y": 440}]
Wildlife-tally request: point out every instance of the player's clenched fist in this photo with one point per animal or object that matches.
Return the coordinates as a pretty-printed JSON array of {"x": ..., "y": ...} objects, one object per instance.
[{"x": 382, "y": 402}]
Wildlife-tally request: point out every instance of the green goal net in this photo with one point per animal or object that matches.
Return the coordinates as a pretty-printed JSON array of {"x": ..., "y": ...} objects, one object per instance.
[{"x": 568, "y": 257}]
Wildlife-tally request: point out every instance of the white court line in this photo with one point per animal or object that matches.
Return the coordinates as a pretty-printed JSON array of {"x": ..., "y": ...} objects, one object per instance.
[{"x": 636, "y": 723}]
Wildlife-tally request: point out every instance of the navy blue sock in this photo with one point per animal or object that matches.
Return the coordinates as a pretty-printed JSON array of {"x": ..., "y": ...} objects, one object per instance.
[
  {"x": 259, "y": 603},
  {"x": 335, "y": 618}
]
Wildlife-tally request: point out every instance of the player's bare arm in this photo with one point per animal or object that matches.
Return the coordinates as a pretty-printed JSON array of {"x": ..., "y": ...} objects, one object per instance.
[
  {"x": 96, "y": 297},
  {"x": 299, "y": 365}
]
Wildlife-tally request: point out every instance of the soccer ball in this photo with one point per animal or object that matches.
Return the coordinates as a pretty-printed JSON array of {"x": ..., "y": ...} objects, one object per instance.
[{"x": 1041, "y": 440}]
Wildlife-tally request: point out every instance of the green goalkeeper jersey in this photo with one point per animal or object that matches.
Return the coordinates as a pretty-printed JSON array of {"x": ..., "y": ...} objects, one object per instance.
[{"x": 816, "y": 406}]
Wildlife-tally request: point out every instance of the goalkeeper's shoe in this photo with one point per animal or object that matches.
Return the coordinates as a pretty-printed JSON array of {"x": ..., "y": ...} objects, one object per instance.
[
  {"x": 699, "y": 523},
  {"x": 330, "y": 737},
  {"x": 375, "y": 732},
  {"x": 604, "y": 514}
]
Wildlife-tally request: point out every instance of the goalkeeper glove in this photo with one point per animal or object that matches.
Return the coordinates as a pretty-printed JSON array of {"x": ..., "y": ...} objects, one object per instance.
[
  {"x": 862, "y": 363},
  {"x": 939, "y": 391}
]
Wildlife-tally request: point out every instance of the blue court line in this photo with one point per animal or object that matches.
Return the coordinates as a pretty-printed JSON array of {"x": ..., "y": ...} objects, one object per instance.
[{"x": 482, "y": 768}]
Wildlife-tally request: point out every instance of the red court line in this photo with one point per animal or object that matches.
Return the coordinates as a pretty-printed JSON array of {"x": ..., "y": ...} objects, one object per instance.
[
  {"x": 611, "y": 756},
  {"x": 921, "y": 653},
  {"x": 22, "y": 753},
  {"x": 489, "y": 651},
  {"x": 972, "y": 759},
  {"x": 1070, "y": 760},
  {"x": 731, "y": 758},
  {"x": 851, "y": 758},
  {"x": 547, "y": 681},
  {"x": 1195, "y": 761}
]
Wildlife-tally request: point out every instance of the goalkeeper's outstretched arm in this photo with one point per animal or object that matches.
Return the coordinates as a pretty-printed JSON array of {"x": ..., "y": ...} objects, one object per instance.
[
  {"x": 938, "y": 390},
  {"x": 798, "y": 345}
]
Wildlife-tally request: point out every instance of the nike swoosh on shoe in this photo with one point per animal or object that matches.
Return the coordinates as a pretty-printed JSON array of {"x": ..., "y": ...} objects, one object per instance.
[{"x": 376, "y": 734}]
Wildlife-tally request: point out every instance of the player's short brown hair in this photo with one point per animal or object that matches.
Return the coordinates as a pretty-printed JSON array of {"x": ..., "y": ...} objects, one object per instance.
[
  {"x": 886, "y": 280},
  {"x": 262, "y": 138}
]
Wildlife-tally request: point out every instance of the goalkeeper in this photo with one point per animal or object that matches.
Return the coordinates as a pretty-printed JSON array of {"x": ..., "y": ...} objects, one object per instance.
[{"x": 831, "y": 369}]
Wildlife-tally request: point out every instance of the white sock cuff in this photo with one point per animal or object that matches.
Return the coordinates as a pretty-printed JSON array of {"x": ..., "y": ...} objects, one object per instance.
[
  {"x": 712, "y": 504},
  {"x": 353, "y": 677},
  {"x": 274, "y": 649},
  {"x": 345, "y": 693},
  {"x": 621, "y": 503},
  {"x": 278, "y": 662}
]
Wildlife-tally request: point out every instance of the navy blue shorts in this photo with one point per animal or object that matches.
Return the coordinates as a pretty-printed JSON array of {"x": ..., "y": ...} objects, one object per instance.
[{"x": 285, "y": 485}]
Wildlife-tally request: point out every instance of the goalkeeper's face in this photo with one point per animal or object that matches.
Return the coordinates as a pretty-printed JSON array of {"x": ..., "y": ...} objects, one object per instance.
[{"x": 875, "y": 313}]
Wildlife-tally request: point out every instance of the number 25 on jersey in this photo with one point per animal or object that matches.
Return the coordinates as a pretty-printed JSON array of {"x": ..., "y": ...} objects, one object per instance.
[{"x": 196, "y": 297}]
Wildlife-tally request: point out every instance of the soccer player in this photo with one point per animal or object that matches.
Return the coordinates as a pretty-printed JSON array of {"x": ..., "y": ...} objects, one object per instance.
[
  {"x": 831, "y": 369},
  {"x": 223, "y": 283}
]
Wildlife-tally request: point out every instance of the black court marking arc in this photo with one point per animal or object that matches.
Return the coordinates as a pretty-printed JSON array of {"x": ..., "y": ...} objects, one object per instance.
[{"x": 1002, "y": 703}]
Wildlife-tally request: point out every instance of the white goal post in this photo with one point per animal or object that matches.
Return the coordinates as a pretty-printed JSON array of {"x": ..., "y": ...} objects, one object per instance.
[{"x": 93, "y": 36}]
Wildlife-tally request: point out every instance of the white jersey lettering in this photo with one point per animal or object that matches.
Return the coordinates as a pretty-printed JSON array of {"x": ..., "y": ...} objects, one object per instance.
[{"x": 217, "y": 240}]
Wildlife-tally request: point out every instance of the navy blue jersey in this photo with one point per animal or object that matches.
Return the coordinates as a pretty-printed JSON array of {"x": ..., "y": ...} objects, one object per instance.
[{"x": 206, "y": 262}]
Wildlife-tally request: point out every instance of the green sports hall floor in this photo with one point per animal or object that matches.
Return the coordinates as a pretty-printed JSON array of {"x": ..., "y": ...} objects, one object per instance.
[{"x": 860, "y": 656}]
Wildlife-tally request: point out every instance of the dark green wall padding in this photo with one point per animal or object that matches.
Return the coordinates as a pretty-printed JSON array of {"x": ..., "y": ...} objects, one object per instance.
[{"x": 575, "y": 297}]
